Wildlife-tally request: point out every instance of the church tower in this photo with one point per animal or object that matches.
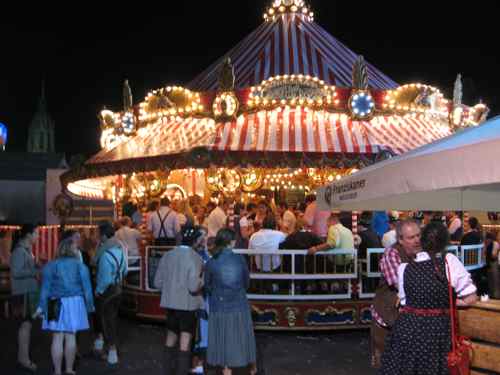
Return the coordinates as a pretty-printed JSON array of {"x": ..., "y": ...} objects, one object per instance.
[{"x": 41, "y": 131}]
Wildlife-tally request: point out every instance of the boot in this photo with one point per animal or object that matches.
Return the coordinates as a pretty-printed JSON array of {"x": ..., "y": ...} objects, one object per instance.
[
  {"x": 183, "y": 363},
  {"x": 169, "y": 360}
]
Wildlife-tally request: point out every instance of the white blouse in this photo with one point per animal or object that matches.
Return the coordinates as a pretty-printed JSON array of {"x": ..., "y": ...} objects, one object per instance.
[{"x": 461, "y": 280}]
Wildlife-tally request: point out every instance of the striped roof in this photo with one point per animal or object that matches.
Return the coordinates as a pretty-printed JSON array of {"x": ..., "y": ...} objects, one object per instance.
[
  {"x": 290, "y": 45},
  {"x": 287, "y": 131}
]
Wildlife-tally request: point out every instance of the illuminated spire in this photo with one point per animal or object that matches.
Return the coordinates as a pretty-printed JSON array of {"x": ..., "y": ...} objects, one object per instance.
[{"x": 280, "y": 7}]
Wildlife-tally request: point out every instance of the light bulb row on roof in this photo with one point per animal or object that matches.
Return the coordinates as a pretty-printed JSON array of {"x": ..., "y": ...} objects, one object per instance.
[
  {"x": 170, "y": 107},
  {"x": 393, "y": 100},
  {"x": 281, "y": 7},
  {"x": 292, "y": 77},
  {"x": 258, "y": 102}
]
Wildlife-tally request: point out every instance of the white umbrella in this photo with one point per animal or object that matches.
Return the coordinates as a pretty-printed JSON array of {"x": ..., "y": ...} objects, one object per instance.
[{"x": 460, "y": 172}]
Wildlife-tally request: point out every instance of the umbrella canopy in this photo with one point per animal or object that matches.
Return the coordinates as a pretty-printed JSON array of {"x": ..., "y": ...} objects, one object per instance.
[{"x": 460, "y": 172}]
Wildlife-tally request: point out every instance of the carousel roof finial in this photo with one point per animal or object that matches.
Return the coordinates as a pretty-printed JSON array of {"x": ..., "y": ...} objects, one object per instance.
[
  {"x": 280, "y": 7},
  {"x": 127, "y": 96},
  {"x": 360, "y": 74},
  {"x": 458, "y": 91},
  {"x": 227, "y": 78}
]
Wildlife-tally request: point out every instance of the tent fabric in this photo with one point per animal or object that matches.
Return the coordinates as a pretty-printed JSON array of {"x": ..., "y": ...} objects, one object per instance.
[
  {"x": 290, "y": 45},
  {"x": 460, "y": 172},
  {"x": 290, "y": 131}
]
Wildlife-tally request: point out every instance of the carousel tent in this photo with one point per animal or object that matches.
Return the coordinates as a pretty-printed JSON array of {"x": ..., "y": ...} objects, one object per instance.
[
  {"x": 288, "y": 96},
  {"x": 291, "y": 44}
]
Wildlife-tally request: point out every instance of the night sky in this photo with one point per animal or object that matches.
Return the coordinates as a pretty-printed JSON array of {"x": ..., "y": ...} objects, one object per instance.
[{"x": 85, "y": 53}]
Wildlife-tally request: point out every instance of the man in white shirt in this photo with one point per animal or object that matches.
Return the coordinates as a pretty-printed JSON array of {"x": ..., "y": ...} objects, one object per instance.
[
  {"x": 129, "y": 236},
  {"x": 269, "y": 239},
  {"x": 217, "y": 219},
  {"x": 164, "y": 225}
]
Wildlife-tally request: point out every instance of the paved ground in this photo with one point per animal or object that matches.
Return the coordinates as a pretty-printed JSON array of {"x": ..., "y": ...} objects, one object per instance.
[{"x": 284, "y": 353}]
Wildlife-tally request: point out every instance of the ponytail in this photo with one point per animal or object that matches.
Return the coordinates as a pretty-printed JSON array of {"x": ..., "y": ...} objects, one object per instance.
[{"x": 435, "y": 238}]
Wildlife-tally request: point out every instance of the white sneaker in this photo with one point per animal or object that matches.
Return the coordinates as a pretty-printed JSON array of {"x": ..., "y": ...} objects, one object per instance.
[
  {"x": 197, "y": 370},
  {"x": 98, "y": 345},
  {"x": 112, "y": 357}
]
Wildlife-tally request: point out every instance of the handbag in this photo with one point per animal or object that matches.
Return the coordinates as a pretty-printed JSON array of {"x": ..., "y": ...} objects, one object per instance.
[
  {"x": 53, "y": 309},
  {"x": 461, "y": 348}
]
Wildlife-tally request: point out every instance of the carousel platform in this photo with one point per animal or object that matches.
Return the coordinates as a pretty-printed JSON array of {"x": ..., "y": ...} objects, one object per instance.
[{"x": 305, "y": 293}]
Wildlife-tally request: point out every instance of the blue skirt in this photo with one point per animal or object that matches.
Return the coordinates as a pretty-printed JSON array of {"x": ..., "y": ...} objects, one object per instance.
[
  {"x": 72, "y": 317},
  {"x": 231, "y": 340}
]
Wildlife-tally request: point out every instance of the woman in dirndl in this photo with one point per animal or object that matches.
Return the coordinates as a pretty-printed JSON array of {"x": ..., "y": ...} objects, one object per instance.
[
  {"x": 231, "y": 339},
  {"x": 421, "y": 337},
  {"x": 65, "y": 301}
]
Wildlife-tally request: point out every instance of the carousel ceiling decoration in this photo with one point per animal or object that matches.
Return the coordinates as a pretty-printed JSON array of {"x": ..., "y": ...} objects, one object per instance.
[
  {"x": 289, "y": 98},
  {"x": 293, "y": 90},
  {"x": 142, "y": 187},
  {"x": 170, "y": 101},
  {"x": 417, "y": 98},
  {"x": 225, "y": 106}
]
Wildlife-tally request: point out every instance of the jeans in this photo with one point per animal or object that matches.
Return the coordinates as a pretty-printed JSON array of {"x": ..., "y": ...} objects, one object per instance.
[{"x": 107, "y": 306}]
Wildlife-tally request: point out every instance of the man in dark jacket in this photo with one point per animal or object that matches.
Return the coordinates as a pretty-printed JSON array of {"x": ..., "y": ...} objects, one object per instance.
[{"x": 369, "y": 239}]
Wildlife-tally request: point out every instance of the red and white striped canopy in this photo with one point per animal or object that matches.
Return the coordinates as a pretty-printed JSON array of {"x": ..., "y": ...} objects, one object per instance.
[
  {"x": 290, "y": 45},
  {"x": 290, "y": 130}
]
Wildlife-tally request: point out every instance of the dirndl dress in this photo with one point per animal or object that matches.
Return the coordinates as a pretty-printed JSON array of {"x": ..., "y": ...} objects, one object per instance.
[
  {"x": 231, "y": 339},
  {"x": 73, "y": 316},
  {"x": 419, "y": 344}
]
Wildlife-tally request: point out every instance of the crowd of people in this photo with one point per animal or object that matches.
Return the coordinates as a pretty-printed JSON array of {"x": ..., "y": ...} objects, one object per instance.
[
  {"x": 63, "y": 294},
  {"x": 204, "y": 284}
]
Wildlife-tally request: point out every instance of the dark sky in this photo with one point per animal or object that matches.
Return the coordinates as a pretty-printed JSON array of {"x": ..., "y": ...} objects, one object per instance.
[{"x": 85, "y": 53}]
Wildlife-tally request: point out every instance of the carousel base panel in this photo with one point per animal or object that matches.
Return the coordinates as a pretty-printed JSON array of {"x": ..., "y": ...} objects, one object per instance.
[{"x": 282, "y": 315}]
